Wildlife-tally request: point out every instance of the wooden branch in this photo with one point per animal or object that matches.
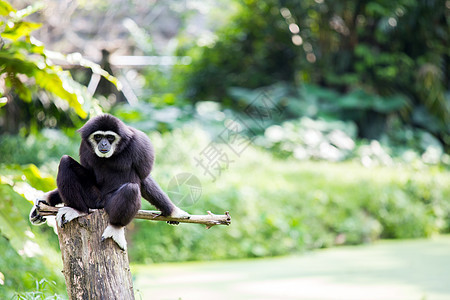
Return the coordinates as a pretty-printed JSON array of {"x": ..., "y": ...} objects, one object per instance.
[{"x": 209, "y": 220}]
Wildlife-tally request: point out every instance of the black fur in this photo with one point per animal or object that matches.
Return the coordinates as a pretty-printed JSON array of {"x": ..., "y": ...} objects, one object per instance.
[
  {"x": 152, "y": 192},
  {"x": 115, "y": 183}
]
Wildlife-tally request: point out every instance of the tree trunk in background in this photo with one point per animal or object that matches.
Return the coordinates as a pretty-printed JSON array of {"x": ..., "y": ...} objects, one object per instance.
[{"x": 93, "y": 269}]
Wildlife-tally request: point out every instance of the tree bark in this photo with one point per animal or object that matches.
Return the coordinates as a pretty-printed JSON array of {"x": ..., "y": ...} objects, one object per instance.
[{"x": 93, "y": 269}]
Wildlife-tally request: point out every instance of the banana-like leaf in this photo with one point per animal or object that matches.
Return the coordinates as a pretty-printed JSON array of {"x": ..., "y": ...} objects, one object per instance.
[
  {"x": 5, "y": 8},
  {"x": 53, "y": 82},
  {"x": 19, "y": 29},
  {"x": 78, "y": 59}
]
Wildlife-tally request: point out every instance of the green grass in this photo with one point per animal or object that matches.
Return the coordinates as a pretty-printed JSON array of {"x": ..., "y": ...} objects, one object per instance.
[{"x": 402, "y": 269}]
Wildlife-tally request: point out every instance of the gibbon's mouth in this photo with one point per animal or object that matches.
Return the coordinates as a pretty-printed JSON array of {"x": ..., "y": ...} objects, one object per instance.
[{"x": 103, "y": 150}]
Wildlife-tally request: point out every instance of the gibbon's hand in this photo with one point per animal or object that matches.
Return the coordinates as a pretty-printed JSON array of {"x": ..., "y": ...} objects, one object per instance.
[{"x": 66, "y": 214}]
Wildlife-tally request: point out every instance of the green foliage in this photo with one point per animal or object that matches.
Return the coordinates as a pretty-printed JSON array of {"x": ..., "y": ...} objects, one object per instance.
[
  {"x": 34, "y": 90},
  {"x": 307, "y": 138},
  {"x": 20, "y": 181},
  {"x": 27, "y": 57},
  {"x": 164, "y": 117},
  {"x": 381, "y": 56},
  {"x": 27, "y": 253},
  {"x": 254, "y": 50},
  {"x": 43, "y": 148},
  {"x": 19, "y": 273},
  {"x": 375, "y": 117},
  {"x": 45, "y": 290},
  {"x": 293, "y": 206}
]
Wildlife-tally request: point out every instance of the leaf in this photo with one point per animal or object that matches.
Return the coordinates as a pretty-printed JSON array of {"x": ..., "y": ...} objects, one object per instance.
[
  {"x": 22, "y": 91},
  {"x": 33, "y": 46},
  {"x": 16, "y": 63},
  {"x": 35, "y": 178},
  {"x": 3, "y": 101},
  {"x": 355, "y": 100},
  {"x": 12, "y": 224},
  {"x": 77, "y": 58},
  {"x": 19, "y": 30},
  {"x": 96, "y": 69},
  {"x": 390, "y": 104},
  {"x": 310, "y": 90},
  {"x": 5, "y": 8},
  {"x": 375, "y": 9},
  {"x": 57, "y": 84},
  {"x": 242, "y": 94}
]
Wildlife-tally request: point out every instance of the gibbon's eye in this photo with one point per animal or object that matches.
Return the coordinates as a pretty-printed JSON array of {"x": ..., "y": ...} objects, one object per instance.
[
  {"x": 110, "y": 138},
  {"x": 97, "y": 137}
]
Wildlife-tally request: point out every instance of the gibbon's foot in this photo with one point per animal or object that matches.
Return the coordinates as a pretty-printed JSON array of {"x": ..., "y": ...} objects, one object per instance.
[
  {"x": 117, "y": 234},
  {"x": 35, "y": 217},
  {"x": 66, "y": 214},
  {"x": 178, "y": 213}
]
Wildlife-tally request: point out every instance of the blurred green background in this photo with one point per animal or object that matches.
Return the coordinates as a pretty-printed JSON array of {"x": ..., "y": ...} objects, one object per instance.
[{"x": 329, "y": 121}]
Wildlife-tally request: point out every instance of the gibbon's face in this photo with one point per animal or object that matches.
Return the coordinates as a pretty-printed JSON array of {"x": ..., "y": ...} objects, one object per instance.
[{"x": 104, "y": 143}]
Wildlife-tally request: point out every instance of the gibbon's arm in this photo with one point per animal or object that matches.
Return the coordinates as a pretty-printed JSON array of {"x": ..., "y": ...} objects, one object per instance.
[
  {"x": 85, "y": 156},
  {"x": 151, "y": 192},
  {"x": 143, "y": 155},
  {"x": 142, "y": 158}
]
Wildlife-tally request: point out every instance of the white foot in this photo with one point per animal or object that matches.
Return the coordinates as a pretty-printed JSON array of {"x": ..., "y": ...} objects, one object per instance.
[
  {"x": 67, "y": 214},
  {"x": 179, "y": 213},
  {"x": 117, "y": 234},
  {"x": 35, "y": 217}
]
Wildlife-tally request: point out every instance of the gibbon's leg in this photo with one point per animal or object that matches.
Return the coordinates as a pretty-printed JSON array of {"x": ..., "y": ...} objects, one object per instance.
[
  {"x": 154, "y": 194},
  {"x": 121, "y": 207},
  {"x": 76, "y": 187},
  {"x": 52, "y": 198}
]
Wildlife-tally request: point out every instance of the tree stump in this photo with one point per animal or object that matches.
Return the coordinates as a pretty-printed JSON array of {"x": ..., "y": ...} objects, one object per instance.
[
  {"x": 93, "y": 269},
  {"x": 100, "y": 270}
]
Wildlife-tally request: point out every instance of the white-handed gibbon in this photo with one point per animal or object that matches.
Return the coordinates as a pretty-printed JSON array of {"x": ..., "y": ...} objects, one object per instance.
[{"x": 113, "y": 173}]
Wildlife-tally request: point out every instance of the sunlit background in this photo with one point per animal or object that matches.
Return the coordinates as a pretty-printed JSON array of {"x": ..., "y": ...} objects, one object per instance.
[{"x": 316, "y": 124}]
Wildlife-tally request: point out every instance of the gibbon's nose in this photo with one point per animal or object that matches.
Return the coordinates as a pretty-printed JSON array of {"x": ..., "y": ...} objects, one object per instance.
[{"x": 103, "y": 147}]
